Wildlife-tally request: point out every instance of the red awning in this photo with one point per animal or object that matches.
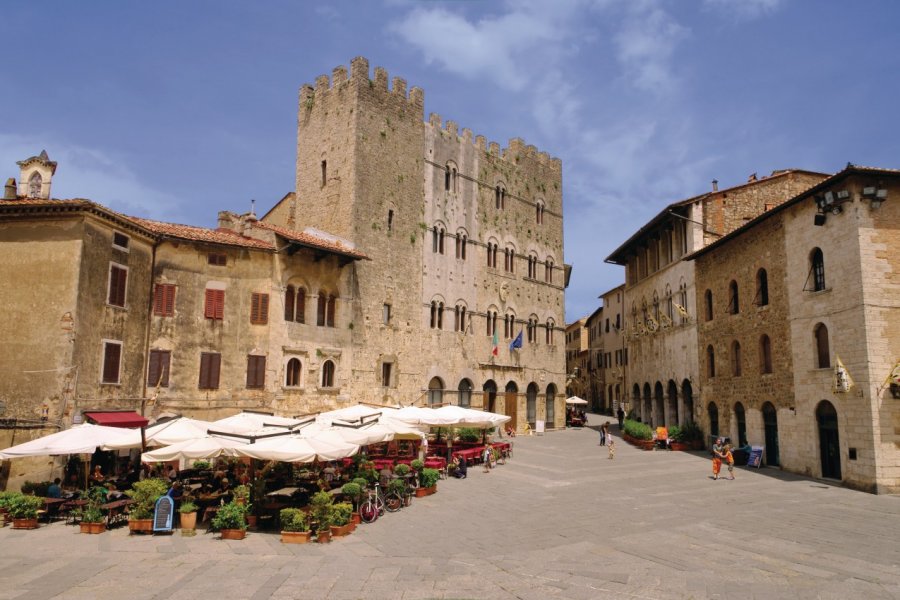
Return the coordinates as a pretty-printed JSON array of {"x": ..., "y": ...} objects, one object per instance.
[{"x": 123, "y": 418}]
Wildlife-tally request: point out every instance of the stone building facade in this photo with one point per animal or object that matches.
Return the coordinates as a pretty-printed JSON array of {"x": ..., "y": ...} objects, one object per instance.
[
  {"x": 613, "y": 361},
  {"x": 660, "y": 292},
  {"x": 578, "y": 359},
  {"x": 593, "y": 325},
  {"x": 466, "y": 241},
  {"x": 816, "y": 286}
]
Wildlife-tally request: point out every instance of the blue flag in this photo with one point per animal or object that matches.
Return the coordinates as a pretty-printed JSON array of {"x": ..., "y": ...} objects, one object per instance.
[{"x": 516, "y": 343}]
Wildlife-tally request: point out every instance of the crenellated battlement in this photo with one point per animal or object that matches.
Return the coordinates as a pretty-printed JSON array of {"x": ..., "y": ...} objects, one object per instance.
[
  {"x": 516, "y": 147},
  {"x": 359, "y": 76}
]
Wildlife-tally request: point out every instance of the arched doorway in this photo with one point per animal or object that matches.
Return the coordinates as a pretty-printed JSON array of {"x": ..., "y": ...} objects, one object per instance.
[
  {"x": 636, "y": 400},
  {"x": 740, "y": 418},
  {"x": 511, "y": 403},
  {"x": 464, "y": 391},
  {"x": 647, "y": 406},
  {"x": 687, "y": 400},
  {"x": 435, "y": 392},
  {"x": 531, "y": 394},
  {"x": 770, "y": 425},
  {"x": 489, "y": 392},
  {"x": 659, "y": 405},
  {"x": 551, "y": 405},
  {"x": 713, "y": 413},
  {"x": 672, "y": 416},
  {"x": 829, "y": 443}
]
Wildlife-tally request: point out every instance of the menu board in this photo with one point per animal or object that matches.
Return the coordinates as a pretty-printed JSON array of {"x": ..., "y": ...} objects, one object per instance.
[
  {"x": 162, "y": 516},
  {"x": 755, "y": 458}
]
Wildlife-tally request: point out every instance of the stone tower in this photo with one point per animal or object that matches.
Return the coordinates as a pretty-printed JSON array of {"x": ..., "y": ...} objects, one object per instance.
[{"x": 359, "y": 176}]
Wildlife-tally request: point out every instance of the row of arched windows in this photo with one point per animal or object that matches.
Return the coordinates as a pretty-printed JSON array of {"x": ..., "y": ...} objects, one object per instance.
[
  {"x": 451, "y": 184},
  {"x": 822, "y": 353},
  {"x": 295, "y": 306},
  {"x": 660, "y": 313},
  {"x": 294, "y": 368},
  {"x": 761, "y": 296},
  {"x": 462, "y": 316}
]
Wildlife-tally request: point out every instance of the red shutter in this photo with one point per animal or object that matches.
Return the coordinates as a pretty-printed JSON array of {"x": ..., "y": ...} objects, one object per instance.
[
  {"x": 264, "y": 309},
  {"x": 259, "y": 309},
  {"x": 289, "y": 303},
  {"x": 169, "y": 300},
  {"x": 158, "y": 369},
  {"x": 209, "y": 370},
  {"x": 214, "y": 306},
  {"x": 117, "y": 280},
  {"x": 112, "y": 354},
  {"x": 256, "y": 371},
  {"x": 214, "y": 369},
  {"x": 159, "y": 299},
  {"x": 220, "y": 304},
  {"x": 254, "y": 308}
]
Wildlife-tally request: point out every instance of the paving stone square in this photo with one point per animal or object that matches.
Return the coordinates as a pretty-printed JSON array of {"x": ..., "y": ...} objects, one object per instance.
[{"x": 559, "y": 520}]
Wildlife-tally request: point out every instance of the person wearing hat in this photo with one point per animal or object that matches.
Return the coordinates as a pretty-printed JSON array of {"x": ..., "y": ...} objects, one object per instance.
[{"x": 718, "y": 451}]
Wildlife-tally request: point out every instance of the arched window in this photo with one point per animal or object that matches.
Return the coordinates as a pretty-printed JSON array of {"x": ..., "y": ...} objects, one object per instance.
[
  {"x": 734, "y": 304},
  {"x": 765, "y": 354},
  {"x": 710, "y": 361},
  {"x": 500, "y": 197},
  {"x": 435, "y": 392},
  {"x": 328, "y": 374},
  {"x": 740, "y": 417},
  {"x": 35, "y": 183},
  {"x": 450, "y": 177},
  {"x": 437, "y": 314},
  {"x": 330, "y": 313},
  {"x": 289, "y": 298},
  {"x": 321, "y": 308},
  {"x": 550, "y": 325},
  {"x": 459, "y": 318},
  {"x": 713, "y": 412},
  {"x": 292, "y": 373},
  {"x": 709, "y": 304},
  {"x": 461, "y": 240},
  {"x": 492, "y": 255},
  {"x": 509, "y": 325},
  {"x": 762, "y": 287},
  {"x": 509, "y": 259},
  {"x": 532, "y": 329},
  {"x": 548, "y": 271},
  {"x": 817, "y": 269},
  {"x": 300, "y": 312},
  {"x": 736, "y": 358},
  {"x": 437, "y": 239},
  {"x": 823, "y": 352},
  {"x": 465, "y": 393},
  {"x": 539, "y": 213},
  {"x": 682, "y": 301}
]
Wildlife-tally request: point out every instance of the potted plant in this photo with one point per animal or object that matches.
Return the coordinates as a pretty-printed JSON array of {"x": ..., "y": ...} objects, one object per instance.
[
  {"x": 231, "y": 521},
  {"x": 638, "y": 434},
  {"x": 417, "y": 464},
  {"x": 145, "y": 494},
  {"x": 339, "y": 519},
  {"x": 692, "y": 435},
  {"x": 5, "y": 499},
  {"x": 92, "y": 518},
  {"x": 294, "y": 526},
  {"x": 320, "y": 511},
  {"x": 202, "y": 465},
  {"x": 428, "y": 482},
  {"x": 678, "y": 443},
  {"x": 241, "y": 494},
  {"x": 188, "y": 513},
  {"x": 24, "y": 511},
  {"x": 353, "y": 492}
]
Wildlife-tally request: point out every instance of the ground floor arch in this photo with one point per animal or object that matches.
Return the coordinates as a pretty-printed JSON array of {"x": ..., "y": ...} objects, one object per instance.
[{"x": 829, "y": 441}]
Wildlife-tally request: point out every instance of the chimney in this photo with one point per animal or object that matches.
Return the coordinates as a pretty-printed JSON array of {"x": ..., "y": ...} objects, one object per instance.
[
  {"x": 715, "y": 183},
  {"x": 9, "y": 190},
  {"x": 752, "y": 178}
]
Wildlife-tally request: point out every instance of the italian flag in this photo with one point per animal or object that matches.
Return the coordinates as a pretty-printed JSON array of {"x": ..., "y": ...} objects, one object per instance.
[{"x": 496, "y": 350}]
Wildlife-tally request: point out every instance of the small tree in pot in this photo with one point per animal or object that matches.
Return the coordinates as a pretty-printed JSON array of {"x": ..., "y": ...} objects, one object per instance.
[
  {"x": 321, "y": 515},
  {"x": 294, "y": 526},
  {"x": 339, "y": 519},
  {"x": 145, "y": 494},
  {"x": 24, "y": 511},
  {"x": 353, "y": 492},
  {"x": 188, "y": 512},
  {"x": 231, "y": 521},
  {"x": 92, "y": 518}
]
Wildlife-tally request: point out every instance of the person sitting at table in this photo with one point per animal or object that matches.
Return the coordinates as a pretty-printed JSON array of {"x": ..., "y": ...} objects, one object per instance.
[
  {"x": 171, "y": 474},
  {"x": 97, "y": 475},
  {"x": 53, "y": 490},
  {"x": 224, "y": 486},
  {"x": 462, "y": 468}
]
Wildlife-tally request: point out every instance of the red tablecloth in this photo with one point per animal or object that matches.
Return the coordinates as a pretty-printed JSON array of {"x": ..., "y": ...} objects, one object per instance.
[
  {"x": 470, "y": 454},
  {"x": 435, "y": 463}
]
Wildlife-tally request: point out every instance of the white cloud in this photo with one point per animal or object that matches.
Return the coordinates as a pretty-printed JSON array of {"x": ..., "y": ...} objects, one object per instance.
[
  {"x": 645, "y": 45},
  {"x": 87, "y": 173},
  {"x": 749, "y": 9}
]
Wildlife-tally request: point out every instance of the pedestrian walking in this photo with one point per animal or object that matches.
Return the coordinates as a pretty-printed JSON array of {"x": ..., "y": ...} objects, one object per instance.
[
  {"x": 729, "y": 458},
  {"x": 602, "y": 431},
  {"x": 620, "y": 414},
  {"x": 718, "y": 451},
  {"x": 612, "y": 449}
]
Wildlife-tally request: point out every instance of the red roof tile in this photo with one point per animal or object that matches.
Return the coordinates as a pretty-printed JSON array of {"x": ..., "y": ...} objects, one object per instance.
[
  {"x": 202, "y": 234},
  {"x": 311, "y": 240}
]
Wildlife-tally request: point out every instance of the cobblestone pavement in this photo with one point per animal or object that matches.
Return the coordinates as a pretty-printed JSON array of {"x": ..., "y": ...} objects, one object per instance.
[{"x": 560, "y": 520}]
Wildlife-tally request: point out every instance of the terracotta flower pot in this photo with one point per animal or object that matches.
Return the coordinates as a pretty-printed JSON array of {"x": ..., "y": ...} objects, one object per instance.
[
  {"x": 189, "y": 520},
  {"x": 323, "y": 537},
  {"x": 421, "y": 492},
  {"x": 341, "y": 530},
  {"x": 92, "y": 527},
  {"x": 140, "y": 525},
  {"x": 25, "y": 523},
  {"x": 252, "y": 520},
  {"x": 233, "y": 534},
  {"x": 355, "y": 518},
  {"x": 295, "y": 537},
  {"x": 679, "y": 446}
]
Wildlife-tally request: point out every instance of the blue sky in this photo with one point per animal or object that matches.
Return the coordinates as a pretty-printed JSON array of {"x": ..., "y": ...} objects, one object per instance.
[{"x": 175, "y": 110}]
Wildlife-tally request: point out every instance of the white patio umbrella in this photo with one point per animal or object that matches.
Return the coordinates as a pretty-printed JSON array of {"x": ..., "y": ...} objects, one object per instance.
[
  {"x": 165, "y": 434},
  {"x": 297, "y": 449},
  {"x": 197, "y": 448},
  {"x": 575, "y": 400},
  {"x": 417, "y": 415},
  {"x": 468, "y": 417},
  {"x": 81, "y": 439},
  {"x": 359, "y": 436},
  {"x": 355, "y": 413},
  {"x": 248, "y": 423}
]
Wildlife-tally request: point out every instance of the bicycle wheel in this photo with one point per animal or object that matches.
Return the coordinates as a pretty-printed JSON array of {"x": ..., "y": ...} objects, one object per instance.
[
  {"x": 393, "y": 502},
  {"x": 368, "y": 513},
  {"x": 379, "y": 504}
]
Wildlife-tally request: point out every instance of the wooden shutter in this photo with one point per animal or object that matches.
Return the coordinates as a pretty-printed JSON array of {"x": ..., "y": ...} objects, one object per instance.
[
  {"x": 214, "y": 305},
  {"x": 117, "y": 279},
  {"x": 210, "y": 363},
  {"x": 112, "y": 357},
  {"x": 259, "y": 309},
  {"x": 158, "y": 369},
  {"x": 256, "y": 371},
  {"x": 289, "y": 303},
  {"x": 164, "y": 300}
]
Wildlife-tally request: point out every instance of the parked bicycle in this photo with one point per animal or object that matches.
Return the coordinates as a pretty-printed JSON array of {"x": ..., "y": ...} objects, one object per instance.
[{"x": 377, "y": 502}]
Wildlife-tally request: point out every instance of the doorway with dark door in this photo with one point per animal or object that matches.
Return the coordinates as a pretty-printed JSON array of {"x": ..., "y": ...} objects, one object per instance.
[
  {"x": 770, "y": 425},
  {"x": 829, "y": 441}
]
